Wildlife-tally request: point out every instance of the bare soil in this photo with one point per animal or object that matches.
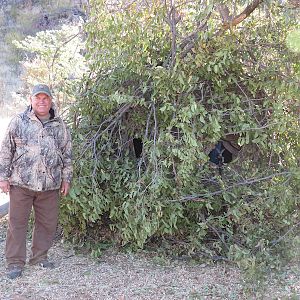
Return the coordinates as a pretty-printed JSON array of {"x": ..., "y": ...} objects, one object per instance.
[{"x": 117, "y": 275}]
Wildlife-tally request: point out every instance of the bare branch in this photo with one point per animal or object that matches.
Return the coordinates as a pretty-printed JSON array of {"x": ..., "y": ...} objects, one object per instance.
[
  {"x": 246, "y": 182},
  {"x": 62, "y": 45},
  {"x": 172, "y": 20},
  {"x": 155, "y": 137},
  {"x": 242, "y": 16},
  {"x": 148, "y": 123},
  {"x": 283, "y": 236},
  {"x": 189, "y": 42},
  {"x": 224, "y": 12},
  {"x": 112, "y": 120}
]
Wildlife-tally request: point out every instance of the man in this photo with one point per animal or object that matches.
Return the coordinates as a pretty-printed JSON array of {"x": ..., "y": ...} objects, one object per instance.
[{"x": 35, "y": 165}]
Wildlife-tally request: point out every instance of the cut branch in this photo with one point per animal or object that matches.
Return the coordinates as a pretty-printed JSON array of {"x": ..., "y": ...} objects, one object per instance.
[
  {"x": 242, "y": 16},
  {"x": 112, "y": 120},
  {"x": 189, "y": 42},
  {"x": 200, "y": 197},
  {"x": 224, "y": 12},
  {"x": 275, "y": 242},
  {"x": 172, "y": 21}
]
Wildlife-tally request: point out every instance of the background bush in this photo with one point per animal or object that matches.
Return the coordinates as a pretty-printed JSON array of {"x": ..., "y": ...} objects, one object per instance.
[{"x": 180, "y": 78}]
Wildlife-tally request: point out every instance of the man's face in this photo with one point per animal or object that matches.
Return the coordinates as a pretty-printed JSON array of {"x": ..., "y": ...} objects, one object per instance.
[{"x": 41, "y": 104}]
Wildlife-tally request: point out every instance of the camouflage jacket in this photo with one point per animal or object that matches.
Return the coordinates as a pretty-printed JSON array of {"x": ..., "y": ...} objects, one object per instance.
[{"x": 36, "y": 155}]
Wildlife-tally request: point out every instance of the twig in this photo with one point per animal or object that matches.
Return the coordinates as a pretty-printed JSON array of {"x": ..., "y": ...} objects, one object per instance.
[
  {"x": 241, "y": 17},
  {"x": 250, "y": 104},
  {"x": 246, "y": 182},
  {"x": 112, "y": 120},
  {"x": 255, "y": 128},
  {"x": 154, "y": 136},
  {"x": 63, "y": 44},
  {"x": 189, "y": 42},
  {"x": 275, "y": 242},
  {"x": 218, "y": 234},
  {"x": 172, "y": 22}
]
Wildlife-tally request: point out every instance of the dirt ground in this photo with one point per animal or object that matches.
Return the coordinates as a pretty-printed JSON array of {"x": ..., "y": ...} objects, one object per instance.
[
  {"x": 118, "y": 276},
  {"x": 121, "y": 276}
]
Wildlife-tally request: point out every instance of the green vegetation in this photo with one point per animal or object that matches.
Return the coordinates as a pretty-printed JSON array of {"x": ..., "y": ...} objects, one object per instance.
[
  {"x": 23, "y": 18},
  {"x": 180, "y": 78},
  {"x": 55, "y": 60}
]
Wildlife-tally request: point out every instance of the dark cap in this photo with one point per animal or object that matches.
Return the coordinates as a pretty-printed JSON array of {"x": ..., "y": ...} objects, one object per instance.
[{"x": 41, "y": 88}]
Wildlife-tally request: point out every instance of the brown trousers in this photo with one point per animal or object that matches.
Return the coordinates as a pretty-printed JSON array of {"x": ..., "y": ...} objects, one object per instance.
[{"x": 45, "y": 206}]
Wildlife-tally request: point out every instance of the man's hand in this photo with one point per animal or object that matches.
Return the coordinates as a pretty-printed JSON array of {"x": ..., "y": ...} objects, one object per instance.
[
  {"x": 65, "y": 188},
  {"x": 5, "y": 186}
]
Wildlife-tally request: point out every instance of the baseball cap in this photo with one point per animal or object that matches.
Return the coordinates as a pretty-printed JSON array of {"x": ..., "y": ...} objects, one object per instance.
[{"x": 41, "y": 88}]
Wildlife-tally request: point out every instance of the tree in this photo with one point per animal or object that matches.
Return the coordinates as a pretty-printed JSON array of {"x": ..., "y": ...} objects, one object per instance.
[
  {"x": 175, "y": 78},
  {"x": 55, "y": 57}
]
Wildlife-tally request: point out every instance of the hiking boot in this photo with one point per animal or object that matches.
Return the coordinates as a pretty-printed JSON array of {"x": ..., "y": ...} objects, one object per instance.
[
  {"x": 14, "y": 272},
  {"x": 46, "y": 264}
]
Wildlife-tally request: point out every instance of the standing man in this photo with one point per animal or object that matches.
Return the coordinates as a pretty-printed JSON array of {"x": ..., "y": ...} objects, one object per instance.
[{"x": 35, "y": 166}]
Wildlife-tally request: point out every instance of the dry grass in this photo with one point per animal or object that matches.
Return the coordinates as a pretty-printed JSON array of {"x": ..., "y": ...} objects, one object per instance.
[
  {"x": 119, "y": 276},
  {"x": 125, "y": 276}
]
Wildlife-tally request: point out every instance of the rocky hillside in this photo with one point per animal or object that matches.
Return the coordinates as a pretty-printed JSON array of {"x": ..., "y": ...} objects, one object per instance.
[{"x": 19, "y": 18}]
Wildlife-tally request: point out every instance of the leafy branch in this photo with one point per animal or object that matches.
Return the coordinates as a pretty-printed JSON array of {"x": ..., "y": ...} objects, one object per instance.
[{"x": 250, "y": 181}]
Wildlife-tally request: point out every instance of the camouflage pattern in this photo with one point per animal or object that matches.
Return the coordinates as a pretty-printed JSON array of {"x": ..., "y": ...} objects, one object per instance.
[{"x": 36, "y": 155}]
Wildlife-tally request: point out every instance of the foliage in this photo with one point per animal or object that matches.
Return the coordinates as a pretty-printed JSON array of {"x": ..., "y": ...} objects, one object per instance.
[
  {"x": 293, "y": 40},
  {"x": 180, "y": 78},
  {"x": 24, "y": 15},
  {"x": 14, "y": 54},
  {"x": 54, "y": 57},
  {"x": 180, "y": 93}
]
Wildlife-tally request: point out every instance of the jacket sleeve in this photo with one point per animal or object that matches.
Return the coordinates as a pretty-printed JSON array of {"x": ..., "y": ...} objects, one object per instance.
[
  {"x": 67, "y": 171},
  {"x": 7, "y": 150}
]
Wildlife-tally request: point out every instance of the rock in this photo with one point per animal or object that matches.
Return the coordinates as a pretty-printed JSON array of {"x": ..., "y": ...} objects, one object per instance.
[
  {"x": 36, "y": 16},
  {"x": 4, "y": 209},
  {"x": 64, "y": 16}
]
